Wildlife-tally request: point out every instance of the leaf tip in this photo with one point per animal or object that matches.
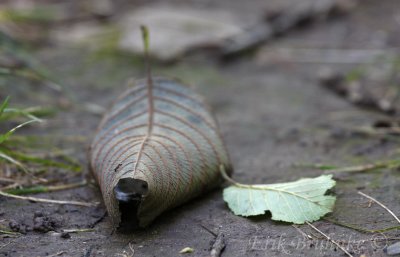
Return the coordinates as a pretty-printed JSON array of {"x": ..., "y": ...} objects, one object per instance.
[{"x": 145, "y": 37}]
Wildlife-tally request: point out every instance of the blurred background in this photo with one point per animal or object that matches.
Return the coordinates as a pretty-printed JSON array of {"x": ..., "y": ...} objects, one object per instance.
[
  {"x": 290, "y": 82},
  {"x": 340, "y": 36}
]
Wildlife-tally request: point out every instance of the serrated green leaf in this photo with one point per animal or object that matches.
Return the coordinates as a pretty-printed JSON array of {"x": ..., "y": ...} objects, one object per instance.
[{"x": 295, "y": 202}]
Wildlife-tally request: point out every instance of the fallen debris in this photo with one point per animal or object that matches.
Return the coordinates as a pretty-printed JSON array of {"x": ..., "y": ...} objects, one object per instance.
[
  {"x": 65, "y": 235},
  {"x": 393, "y": 249},
  {"x": 186, "y": 250},
  {"x": 355, "y": 92},
  {"x": 330, "y": 239},
  {"x": 44, "y": 189},
  {"x": 41, "y": 200},
  {"x": 281, "y": 21},
  {"x": 175, "y": 31},
  {"x": 360, "y": 229},
  {"x": 315, "y": 55},
  {"x": 57, "y": 254},
  {"x": 380, "y": 204},
  {"x": 218, "y": 246},
  {"x": 367, "y": 167},
  {"x": 19, "y": 227},
  {"x": 43, "y": 222}
]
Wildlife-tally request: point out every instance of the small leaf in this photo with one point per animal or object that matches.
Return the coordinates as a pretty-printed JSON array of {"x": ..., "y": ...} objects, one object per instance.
[{"x": 295, "y": 202}]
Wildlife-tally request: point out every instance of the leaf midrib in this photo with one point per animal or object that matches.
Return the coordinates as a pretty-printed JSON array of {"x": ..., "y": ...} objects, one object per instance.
[{"x": 279, "y": 191}]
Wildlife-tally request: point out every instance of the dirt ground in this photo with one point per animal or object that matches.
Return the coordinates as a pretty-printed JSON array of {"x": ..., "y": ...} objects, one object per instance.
[{"x": 273, "y": 114}]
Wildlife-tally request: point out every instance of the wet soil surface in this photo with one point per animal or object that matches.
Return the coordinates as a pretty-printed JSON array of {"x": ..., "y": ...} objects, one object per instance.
[{"x": 273, "y": 115}]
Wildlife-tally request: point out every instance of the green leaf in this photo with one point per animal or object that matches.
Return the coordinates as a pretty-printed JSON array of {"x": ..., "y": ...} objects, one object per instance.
[{"x": 295, "y": 202}]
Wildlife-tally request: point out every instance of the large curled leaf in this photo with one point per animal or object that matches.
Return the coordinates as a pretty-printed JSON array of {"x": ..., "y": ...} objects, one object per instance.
[{"x": 295, "y": 202}]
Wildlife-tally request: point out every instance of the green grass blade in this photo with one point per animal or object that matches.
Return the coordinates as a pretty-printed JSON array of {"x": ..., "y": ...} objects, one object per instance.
[
  {"x": 68, "y": 165},
  {"x": 28, "y": 190},
  {"x": 33, "y": 113},
  {"x": 4, "y": 105},
  {"x": 13, "y": 161},
  {"x": 4, "y": 137}
]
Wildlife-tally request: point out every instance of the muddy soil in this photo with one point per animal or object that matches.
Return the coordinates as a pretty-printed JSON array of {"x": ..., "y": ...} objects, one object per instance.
[{"x": 273, "y": 115}]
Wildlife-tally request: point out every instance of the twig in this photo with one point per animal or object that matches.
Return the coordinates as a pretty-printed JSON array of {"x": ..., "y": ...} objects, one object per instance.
[
  {"x": 45, "y": 189},
  {"x": 67, "y": 186},
  {"x": 77, "y": 230},
  {"x": 364, "y": 167},
  {"x": 381, "y": 204},
  {"x": 208, "y": 230},
  {"x": 9, "y": 232},
  {"x": 4, "y": 245},
  {"x": 13, "y": 161},
  {"x": 132, "y": 249},
  {"x": 218, "y": 246},
  {"x": 389, "y": 133},
  {"x": 57, "y": 254},
  {"x": 330, "y": 239},
  {"x": 391, "y": 164},
  {"x": 14, "y": 185},
  {"x": 7, "y": 180},
  {"x": 360, "y": 229},
  {"x": 302, "y": 232},
  {"x": 98, "y": 220},
  {"x": 125, "y": 254},
  {"x": 41, "y": 200}
]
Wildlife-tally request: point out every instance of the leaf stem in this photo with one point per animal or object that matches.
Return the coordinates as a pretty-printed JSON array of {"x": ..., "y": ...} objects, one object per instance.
[
  {"x": 229, "y": 179},
  {"x": 360, "y": 229},
  {"x": 150, "y": 98}
]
